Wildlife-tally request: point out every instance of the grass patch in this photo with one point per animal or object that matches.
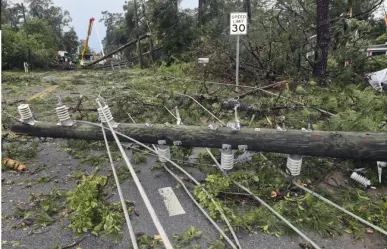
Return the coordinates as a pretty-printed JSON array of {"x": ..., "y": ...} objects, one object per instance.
[
  {"x": 123, "y": 173},
  {"x": 139, "y": 157},
  {"x": 42, "y": 210},
  {"x": 23, "y": 153}
]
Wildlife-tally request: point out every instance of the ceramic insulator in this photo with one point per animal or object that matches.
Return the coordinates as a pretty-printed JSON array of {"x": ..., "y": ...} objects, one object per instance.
[
  {"x": 164, "y": 151},
  {"x": 360, "y": 179},
  {"x": 294, "y": 164},
  {"x": 227, "y": 160},
  {"x": 107, "y": 112},
  {"x": 25, "y": 112},
  {"x": 63, "y": 113}
]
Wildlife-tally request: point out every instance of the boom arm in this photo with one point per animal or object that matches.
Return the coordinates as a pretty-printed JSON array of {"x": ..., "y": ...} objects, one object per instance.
[{"x": 87, "y": 38}]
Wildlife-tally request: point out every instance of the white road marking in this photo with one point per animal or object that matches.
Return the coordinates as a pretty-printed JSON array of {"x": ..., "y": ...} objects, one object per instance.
[{"x": 171, "y": 202}]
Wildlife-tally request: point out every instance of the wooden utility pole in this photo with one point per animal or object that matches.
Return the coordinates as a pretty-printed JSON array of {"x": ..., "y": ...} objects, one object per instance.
[
  {"x": 247, "y": 7},
  {"x": 24, "y": 17},
  {"x": 150, "y": 40},
  {"x": 27, "y": 36},
  {"x": 323, "y": 41},
  {"x": 201, "y": 12},
  {"x": 356, "y": 145},
  {"x": 139, "y": 50}
]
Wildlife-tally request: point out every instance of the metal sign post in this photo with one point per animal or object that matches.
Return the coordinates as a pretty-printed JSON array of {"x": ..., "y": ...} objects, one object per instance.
[
  {"x": 237, "y": 66},
  {"x": 238, "y": 26},
  {"x": 204, "y": 61}
]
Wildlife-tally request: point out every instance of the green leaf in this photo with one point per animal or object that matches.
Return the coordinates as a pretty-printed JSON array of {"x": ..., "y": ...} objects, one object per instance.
[{"x": 255, "y": 178}]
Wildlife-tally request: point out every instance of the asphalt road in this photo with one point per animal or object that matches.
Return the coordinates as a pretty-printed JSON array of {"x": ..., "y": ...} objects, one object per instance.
[{"x": 61, "y": 164}]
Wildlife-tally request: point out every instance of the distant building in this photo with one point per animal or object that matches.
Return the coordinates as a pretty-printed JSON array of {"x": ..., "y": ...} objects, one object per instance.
[{"x": 375, "y": 50}]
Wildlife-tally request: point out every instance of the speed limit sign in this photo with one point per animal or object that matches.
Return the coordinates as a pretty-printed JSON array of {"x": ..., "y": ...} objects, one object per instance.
[{"x": 238, "y": 23}]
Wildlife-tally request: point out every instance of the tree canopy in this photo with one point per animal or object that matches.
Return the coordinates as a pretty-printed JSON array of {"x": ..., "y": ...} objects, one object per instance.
[
  {"x": 281, "y": 36},
  {"x": 286, "y": 38},
  {"x": 35, "y": 32}
]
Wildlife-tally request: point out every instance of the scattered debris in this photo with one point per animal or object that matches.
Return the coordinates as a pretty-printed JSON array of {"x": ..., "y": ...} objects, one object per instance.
[
  {"x": 268, "y": 181},
  {"x": 48, "y": 78},
  {"x": 28, "y": 221},
  {"x": 139, "y": 234},
  {"x": 13, "y": 164},
  {"x": 378, "y": 80},
  {"x": 73, "y": 244}
]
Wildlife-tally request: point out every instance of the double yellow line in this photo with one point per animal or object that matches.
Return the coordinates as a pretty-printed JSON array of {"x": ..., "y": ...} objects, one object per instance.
[{"x": 48, "y": 90}]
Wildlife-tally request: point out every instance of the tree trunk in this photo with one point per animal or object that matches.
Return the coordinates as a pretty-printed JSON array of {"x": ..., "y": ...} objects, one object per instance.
[
  {"x": 323, "y": 40},
  {"x": 139, "y": 50},
  {"x": 201, "y": 12},
  {"x": 356, "y": 145},
  {"x": 151, "y": 51},
  {"x": 247, "y": 7}
]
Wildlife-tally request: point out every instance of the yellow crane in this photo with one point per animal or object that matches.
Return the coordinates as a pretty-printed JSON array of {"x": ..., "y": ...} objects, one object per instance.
[{"x": 87, "y": 39}]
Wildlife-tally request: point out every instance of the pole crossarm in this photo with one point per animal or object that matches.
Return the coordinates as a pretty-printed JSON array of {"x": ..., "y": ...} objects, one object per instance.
[{"x": 349, "y": 145}]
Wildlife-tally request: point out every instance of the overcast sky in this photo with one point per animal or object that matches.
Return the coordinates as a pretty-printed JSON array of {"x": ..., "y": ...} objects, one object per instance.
[{"x": 82, "y": 11}]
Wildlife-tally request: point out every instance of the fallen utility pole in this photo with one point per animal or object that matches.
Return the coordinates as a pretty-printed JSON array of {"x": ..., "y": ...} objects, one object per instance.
[
  {"x": 356, "y": 145},
  {"x": 119, "y": 49}
]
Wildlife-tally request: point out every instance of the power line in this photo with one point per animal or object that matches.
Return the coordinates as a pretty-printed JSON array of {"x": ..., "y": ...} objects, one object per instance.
[
  {"x": 177, "y": 166},
  {"x": 145, "y": 198},
  {"x": 264, "y": 204},
  {"x": 332, "y": 203},
  {"x": 130, "y": 228},
  {"x": 249, "y": 192}
]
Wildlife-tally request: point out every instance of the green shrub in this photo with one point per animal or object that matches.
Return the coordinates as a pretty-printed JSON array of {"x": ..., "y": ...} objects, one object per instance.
[
  {"x": 376, "y": 63},
  {"x": 90, "y": 210}
]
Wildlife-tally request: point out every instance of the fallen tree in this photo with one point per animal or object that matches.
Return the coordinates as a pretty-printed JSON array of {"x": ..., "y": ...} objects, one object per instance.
[
  {"x": 230, "y": 104},
  {"x": 356, "y": 145}
]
